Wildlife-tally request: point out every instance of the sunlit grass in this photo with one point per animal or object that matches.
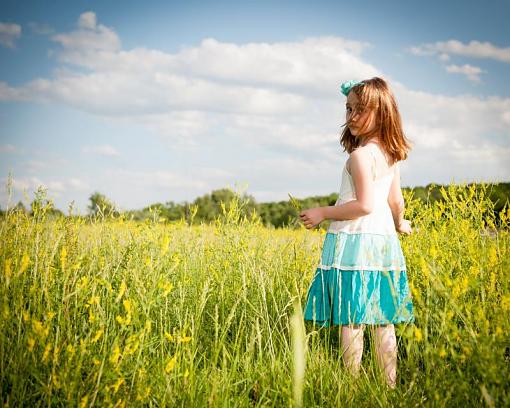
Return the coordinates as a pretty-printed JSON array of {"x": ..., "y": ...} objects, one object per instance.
[{"x": 122, "y": 313}]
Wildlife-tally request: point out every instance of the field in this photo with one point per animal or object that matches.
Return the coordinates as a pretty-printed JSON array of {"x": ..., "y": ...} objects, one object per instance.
[{"x": 118, "y": 313}]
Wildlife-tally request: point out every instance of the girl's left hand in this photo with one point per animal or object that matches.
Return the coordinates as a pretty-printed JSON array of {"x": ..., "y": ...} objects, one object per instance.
[{"x": 312, "y": 217}]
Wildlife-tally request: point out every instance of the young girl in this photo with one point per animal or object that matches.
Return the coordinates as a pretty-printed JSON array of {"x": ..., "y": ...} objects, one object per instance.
[{"x": 362, "y": 277}]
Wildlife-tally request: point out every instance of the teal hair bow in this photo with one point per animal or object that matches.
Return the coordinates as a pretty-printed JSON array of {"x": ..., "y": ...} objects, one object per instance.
[{"x": 346, "y": 86}]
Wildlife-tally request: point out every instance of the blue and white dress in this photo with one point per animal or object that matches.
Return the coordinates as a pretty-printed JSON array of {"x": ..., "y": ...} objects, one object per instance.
[{"x": 361, "y": 278}]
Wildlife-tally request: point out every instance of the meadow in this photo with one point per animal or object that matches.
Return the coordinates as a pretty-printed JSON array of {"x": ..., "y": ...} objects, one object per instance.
[{"x": 112, "y": 312}]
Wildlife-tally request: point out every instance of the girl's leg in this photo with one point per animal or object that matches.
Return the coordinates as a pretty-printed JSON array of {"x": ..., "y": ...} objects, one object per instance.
[
  {"x": 386, "y": 346},
  {"x": 352, "y": 347}
]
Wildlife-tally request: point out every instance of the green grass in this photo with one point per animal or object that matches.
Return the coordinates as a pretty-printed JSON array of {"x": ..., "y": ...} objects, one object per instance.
[{"x": 114, "y": 313}]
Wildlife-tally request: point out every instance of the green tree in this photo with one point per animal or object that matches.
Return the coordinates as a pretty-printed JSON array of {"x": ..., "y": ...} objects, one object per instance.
[{"x": 100, "y": 204}]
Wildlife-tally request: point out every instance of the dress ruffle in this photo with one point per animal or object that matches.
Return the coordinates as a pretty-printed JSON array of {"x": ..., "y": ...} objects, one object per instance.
[
  {"x": 362, "y": 279},
  {"x": 362, "y": 251}
]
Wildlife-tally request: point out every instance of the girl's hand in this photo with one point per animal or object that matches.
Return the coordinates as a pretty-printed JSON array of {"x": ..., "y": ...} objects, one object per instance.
[
  {"x": 312, "y": 217},
  {"x": 404, "y": 227}
]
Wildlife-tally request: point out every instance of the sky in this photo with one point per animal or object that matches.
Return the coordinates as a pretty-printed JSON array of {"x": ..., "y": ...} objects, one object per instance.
[{"x": 161, "y": 101}]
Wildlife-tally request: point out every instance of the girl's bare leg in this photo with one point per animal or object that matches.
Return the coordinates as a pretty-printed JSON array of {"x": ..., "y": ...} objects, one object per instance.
[
  {"x": 386, "y": 346},
  {"x": 352, "y": 347}
]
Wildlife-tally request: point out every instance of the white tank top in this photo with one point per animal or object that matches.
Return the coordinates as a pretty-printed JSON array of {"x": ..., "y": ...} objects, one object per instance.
[{"x": 380, "y": 220}]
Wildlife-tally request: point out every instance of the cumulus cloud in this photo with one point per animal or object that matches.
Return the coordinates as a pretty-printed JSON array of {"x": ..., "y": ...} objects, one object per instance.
[
  {"x": 103, "y": 150},
  {"x": 87, "y": 41},
  {"x": 475, "y": 49},
  {"x": 472, "y": 73},
  {"x": 9, "y": 33}
]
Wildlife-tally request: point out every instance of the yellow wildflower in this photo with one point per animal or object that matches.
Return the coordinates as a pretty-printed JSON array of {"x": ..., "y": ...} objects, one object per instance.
[
  {"x": 122, "y": 290},
  {"x": 94, "y": 300},
  {"x": 185, "y": 339},
  {"x": 132, "y": 344},
  {"x": 164, "y": 245},
  {"x": 417, "y": 334},
  {"x": 46, "y": 352},
  {"x": 25, "y": 260},
  {"x": 39, "y": 328},
  {"x": 148, "y": 326},
  {"x": 127, "y": 306},
  {"x": 117, "y": 385},
  {"x": 493, "y": 256},
  {"x": 169, "y": 337},
  {"x": 55, "y": 381},
  {"x": 98, "y": 335},
  {"x": 114, "y": 358},
  {"x": 83, "y": 282},
  {"x": 167, "y": 287},
  {"x": 31, "y": 344},
  {"x": 63, "y": 257},
  {"x": 120, "y": 403},
  {"x": 171, "y": 364},
  {"x": 7, "y": 269},
  {"x": 505, "y": 303},
  {"x": 123, "y": 320},
  {"x": 141, "y": 397},
  {"x": 56, "y": 352},
  {"x": 84, "y": 401}
]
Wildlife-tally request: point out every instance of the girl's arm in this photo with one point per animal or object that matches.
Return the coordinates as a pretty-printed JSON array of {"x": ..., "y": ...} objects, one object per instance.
[
  {"x": 396, "y": 203},
  {"x": 363, "y": 203},
  {"x": 362, "y": 177},
  {"x": 396, "y": 199}
]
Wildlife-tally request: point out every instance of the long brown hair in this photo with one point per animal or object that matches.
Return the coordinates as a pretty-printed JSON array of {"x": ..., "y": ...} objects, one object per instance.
[{"x": 375, "y": 94}]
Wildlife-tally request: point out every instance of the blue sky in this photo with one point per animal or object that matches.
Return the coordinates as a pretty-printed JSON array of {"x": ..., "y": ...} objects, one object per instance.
[{"x": 157, "y": 101}]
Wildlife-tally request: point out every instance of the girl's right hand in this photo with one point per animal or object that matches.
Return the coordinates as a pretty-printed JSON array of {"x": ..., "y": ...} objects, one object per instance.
[{"x": 404, "y": 227}]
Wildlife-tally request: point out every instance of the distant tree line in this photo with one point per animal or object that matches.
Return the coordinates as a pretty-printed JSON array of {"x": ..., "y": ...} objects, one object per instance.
[{"x": 208, "y": 207}]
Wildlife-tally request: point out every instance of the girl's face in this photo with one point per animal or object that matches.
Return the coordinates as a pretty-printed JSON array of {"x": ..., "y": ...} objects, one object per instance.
[{"x": 360, "y": 122}]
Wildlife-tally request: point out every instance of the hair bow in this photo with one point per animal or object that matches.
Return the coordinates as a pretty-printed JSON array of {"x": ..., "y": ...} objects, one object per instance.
[{"x": 346, "y": 86}]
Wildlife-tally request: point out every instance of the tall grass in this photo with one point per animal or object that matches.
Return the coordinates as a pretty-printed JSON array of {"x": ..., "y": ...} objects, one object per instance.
[{"x": 115, "y": 313}]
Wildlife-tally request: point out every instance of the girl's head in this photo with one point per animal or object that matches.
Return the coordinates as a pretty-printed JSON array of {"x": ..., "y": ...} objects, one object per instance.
[{"x": 372, "y": 112}]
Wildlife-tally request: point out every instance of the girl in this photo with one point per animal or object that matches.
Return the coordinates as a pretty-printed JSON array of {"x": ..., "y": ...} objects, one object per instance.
[{"x": 362, "y": 276}]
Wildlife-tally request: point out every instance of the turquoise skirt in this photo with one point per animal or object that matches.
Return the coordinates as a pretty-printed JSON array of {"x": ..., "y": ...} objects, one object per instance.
[{"x": 362, "y": 279}]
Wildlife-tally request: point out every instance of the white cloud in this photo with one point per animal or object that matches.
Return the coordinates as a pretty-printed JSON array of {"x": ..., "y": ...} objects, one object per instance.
[
  {"x": 103, "y": 150},
  {"x": 475, "y": 49},
  {"x": 78, "y": 184},
  {"x": 88, "y": 41},
  {"x": 472, "y": 73},
  {"x": 9, "y": 32}
]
